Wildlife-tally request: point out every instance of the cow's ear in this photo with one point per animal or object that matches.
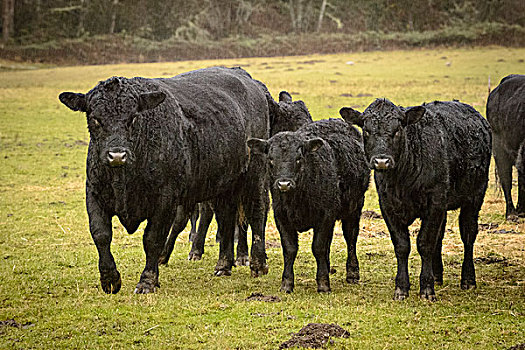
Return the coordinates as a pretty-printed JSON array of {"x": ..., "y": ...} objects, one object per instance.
[
  {"x": 74, "y": 101},
  {"x": 313, "y": 145},
  {"x": 413, "y": 115},
  {"x": 351, "y": 116},
  {"x": 284, "y": 96},
  {"x": 150, "y": 100},
  {"x": 258, "y": 145}
]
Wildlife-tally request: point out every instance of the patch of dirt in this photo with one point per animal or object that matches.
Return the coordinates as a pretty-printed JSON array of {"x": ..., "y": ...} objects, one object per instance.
[
  {"x": 489, "y": 226},
  {"x": 13, "y": 323},
  {"x": 491, "y": 259},
  {"x": 315, "y": 335},
  {"x": 518, "y": 347},
  {"x": 370, "y": 214},
  {"x": 503, "y": 232},
  {"x": 262, "y": 297}
]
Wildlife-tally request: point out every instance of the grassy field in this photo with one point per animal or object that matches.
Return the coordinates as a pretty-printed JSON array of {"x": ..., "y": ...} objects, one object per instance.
[{"x": 49, "y": 282}]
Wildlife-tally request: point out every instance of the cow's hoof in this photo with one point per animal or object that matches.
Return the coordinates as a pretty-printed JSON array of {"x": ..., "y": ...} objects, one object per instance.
[
  {"x": 194, "y": 256},
  {"x": 243, "y": 260},
  {"x": 352, "y": 277},
  {"x": 258, "y": 268},
  {"x": 110, "y": 281},
  {"x": 427, "y": 294},
  {"x": 223, "y": 272},
  {"x": 323, "y": 286},
  {"x": 223, "y": 268},
  {"x": 287, "y": 286},
  {"x": 466, "y": 285},
  {"x": 438, "y": 280},
  {"x": 513, "y": 218},
  {"x": 146, "y": 287},
  {"x": 400, "y": 294}
]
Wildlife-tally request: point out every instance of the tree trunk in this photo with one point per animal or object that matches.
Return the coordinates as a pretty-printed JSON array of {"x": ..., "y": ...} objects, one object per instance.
[
  {"x": 321, "y": 15},
  {"x": 8, "y": 19},
  {"x": 113, "y": 17}
]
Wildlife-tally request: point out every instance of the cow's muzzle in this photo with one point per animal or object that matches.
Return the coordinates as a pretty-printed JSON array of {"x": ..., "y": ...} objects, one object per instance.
[
  {"x": 117, "y": 157},
  {"x": 382, "y": 163},
  {"x": 284, "y": 185}
]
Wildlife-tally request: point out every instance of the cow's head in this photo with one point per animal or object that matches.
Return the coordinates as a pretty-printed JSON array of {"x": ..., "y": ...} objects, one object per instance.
[
  {"x": 288, "y": 115},
  {"x": 112, "y": 110},
  {"x": 286, "y": 154},
  {"x": 384, "y": 130}
]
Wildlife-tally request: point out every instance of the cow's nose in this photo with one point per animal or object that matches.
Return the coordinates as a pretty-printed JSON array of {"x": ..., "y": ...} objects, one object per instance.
[
  {"x": 284, "y": 186},
  {"x": 382, "y": 163},
  {"x": 117, "y": 158}
]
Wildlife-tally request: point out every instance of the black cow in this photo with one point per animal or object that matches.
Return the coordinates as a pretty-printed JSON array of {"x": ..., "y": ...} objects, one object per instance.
[
  {"x": 427, "y": 159},
  {"x": 506, "y": 115},
  {"x": 286, "y": 115},
  {"x": 318, "y": 175},
  {"x": 159, "y": 146}
]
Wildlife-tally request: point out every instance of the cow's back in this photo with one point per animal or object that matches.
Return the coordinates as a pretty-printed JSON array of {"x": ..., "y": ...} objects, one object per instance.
[{"x": 467, "y": 143}]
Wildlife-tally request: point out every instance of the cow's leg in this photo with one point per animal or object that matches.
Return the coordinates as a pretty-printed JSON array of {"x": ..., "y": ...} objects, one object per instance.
[
  {"x": 256, "y": 203},
  {"x": 242, "y": 245},
  {"x": 182, "y": 216},
  {"x": 226, "y": 215},
  {"x": 437, "y": 259},
  {"x": 468, "y": 227},
  {"x": 401, "y": 241},
  {"x": 520, "y": 164},
  {"x": 290, "y": 245},
  {"x": 197, "y": 247},
  {"x": 504, "y": 165},
  {"x": 426, "y": 244},
  {"x": 193, "y": 221},
  {"x": 350, "y": 227},
  {"x": 154, "y": 240},
  {"x": 101, "y": 232},
  {"x": 321, "y": 248}
]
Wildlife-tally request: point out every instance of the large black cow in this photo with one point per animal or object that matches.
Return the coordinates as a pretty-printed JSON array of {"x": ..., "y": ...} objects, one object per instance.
[
  {"x": 285, "y": 115},
  {"x": 159, "y": 146},
  {"x": 506, "y": 115},
  {"x": 318, "y": 175},
  {"x": 427, "y": 159}
]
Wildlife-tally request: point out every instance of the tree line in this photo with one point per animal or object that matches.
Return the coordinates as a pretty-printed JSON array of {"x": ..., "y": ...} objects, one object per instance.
[{"x": 33, "y": 21}]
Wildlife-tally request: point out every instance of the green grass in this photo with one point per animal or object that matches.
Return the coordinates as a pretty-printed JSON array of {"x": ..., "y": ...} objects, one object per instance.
[{"x": 48, "y": 263}]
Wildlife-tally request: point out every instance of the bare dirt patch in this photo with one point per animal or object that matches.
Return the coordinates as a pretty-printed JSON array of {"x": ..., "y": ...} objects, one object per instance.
[
  {"x": 315, "y": 335},
  {"x": 262, "y": 297}
]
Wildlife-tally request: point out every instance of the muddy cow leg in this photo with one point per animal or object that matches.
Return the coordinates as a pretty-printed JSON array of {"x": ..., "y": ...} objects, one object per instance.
[
  {"x": 437, "y": 259},
  {"x": 154, "y": 240},
  {"x": 520, "y": 164},
  {"x": 468, "y": 227},
  {"x": 101, "y": 232},
  {"x": 426, "y": 244},
  {"x": 401, "y": 241},
  {"x": 290, "y": 245},
  {"x": 350, "y": 227},
  {"x": 226, "y": 215},
  {"x": 504, "y": 165},
  {"x": 181, "y": 220},
  {"x": 197, "y": 247},
  {"x": 242, "y": 245},
  {"x": 321, "y": 249},
  {"x": 193, "y": 222}
]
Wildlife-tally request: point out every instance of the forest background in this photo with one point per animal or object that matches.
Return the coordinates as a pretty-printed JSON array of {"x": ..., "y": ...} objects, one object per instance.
[{"x": 70, "y": 32}]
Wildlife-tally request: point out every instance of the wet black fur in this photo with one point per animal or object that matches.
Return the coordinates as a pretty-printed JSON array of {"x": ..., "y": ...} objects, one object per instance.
[
  {"x": 285, "y": 115},
  {"x": 188, "y": 148},
  {"x": 506, "y": 115},
  {"x": 441, "y": 163},
  {"x": 329, "y": 180}
]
